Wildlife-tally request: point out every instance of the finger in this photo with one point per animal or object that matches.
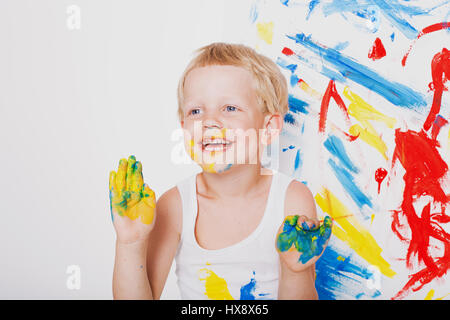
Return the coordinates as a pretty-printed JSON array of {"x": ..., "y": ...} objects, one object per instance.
[
  {"x": 112, "y": 188},
  {"x": 326, "y": 227},
  {"x": 291, "y": 220},
  {"x": 313, "y": 223},
  {"x": 130, "y": 171},
  {"x": 137, "y": 178},
  {"x": 117, "y": 203},
  {"x": 301, "y": 223},
  {"x": 121, "y": 176},
  {"x": 112, "y": 180},
  {"x": 149, "y": 196}
]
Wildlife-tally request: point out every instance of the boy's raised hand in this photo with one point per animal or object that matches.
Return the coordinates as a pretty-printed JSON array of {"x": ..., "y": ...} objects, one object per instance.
[
  {"x": 301, "y": 241},
  {"x": 132, "y": 202}
]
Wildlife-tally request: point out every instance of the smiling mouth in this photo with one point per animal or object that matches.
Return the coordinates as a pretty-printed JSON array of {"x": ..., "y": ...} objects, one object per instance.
[{"x": 209, "y": 145}]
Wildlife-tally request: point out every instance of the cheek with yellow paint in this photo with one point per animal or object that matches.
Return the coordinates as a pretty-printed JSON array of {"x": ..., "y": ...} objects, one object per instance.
[{"x": 129, "y": 195}]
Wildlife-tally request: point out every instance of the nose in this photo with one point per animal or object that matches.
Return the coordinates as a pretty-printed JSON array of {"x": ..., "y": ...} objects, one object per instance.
[{"x": 212, "y": 120}]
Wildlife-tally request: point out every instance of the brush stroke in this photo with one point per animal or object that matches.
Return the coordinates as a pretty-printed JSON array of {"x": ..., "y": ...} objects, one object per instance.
[
  {"x": 349, "y": 230},
  {"x": 341, "y": 276},
  {"x": 396, "y": 93},
  {"x": 347, "y": 181}
]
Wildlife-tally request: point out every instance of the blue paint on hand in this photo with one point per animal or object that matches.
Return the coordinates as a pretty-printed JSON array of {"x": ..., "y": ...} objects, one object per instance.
[{"x": 309, "y": 242}]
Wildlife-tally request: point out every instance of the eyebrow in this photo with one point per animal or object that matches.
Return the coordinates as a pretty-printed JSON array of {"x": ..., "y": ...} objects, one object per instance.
[{"x": 231, "y": 99}]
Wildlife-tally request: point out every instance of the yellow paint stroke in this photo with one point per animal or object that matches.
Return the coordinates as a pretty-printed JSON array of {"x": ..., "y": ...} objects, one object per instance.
[
  {"x": 363, "y": 112},
  {"x": 206, "y": 167},
  {"x": 349, "y": 230},
  {"x": 341, "y": 258},
  {"x": 216, "y": 288},
  {"x": 431, "y": 293},
  {"x": 448, "y": 138},
  {"x": 265, "y": 31},
  {"x": 309, "y": 90}
]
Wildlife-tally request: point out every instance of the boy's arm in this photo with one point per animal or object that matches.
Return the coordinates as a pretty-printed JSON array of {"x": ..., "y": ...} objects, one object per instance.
[
  {"x": 141, "y": 267},
  {"x": 130, "y": 280},
  {"x": 300, "y": 242},
  {"x": 163, "y": 241}
]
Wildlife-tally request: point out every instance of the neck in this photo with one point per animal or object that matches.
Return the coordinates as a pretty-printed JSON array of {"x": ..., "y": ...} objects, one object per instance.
[{"x": 236, "y": 181}]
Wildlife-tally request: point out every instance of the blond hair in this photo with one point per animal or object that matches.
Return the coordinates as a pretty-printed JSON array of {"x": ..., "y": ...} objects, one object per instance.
[{"x": 270, "y": 85}]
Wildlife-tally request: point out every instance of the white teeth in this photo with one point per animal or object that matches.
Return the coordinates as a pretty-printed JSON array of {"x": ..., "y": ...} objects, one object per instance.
[{"x": 215, "y": 141}]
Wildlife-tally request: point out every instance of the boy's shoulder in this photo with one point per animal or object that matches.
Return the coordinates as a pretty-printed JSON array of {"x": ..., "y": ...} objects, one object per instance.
[
  {"x": 169, "y": 207},
  {"x": 299, "y": 198}
]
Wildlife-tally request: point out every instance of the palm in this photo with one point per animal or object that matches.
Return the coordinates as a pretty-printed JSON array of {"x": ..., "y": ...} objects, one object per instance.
[
  {"x": 300, "y": 247},
  {"x": 132, "y": 202}
]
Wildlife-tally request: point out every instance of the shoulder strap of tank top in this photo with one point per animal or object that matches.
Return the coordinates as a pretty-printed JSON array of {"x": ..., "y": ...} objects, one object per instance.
[{"x": 187, "y": 190}]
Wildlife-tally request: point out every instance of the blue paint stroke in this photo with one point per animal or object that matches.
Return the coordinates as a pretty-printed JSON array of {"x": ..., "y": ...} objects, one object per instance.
[
  {"x": 347, "y": 181},
  {"x": 289, "y": 118},
  {"x": 293, "y": 80},
  {"x": 311, "y": 6},
  {"x": 291, "y": 67},
  {"x": 392, "y": 36},
  {"x": 298, "y": 160},
  {"x": 335, "y": 146},
  {"x": 254, "y": 12},
  {"x": 343, "y": 278},
  {"x": 310, "y": 243},
  {"x": 288, "y": 148},
  {"x": 392, "y": 10},
  {"x": 341, "y": 46},
  {"x": 286, "y": 65},
  {"x": 398, "y": 94},
  {"x": 297, "y": 105},
  {"x": 248, "y": 291}
]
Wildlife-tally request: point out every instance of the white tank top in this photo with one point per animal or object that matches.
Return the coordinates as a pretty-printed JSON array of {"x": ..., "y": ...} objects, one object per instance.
[{"x": 247, "y": 270}]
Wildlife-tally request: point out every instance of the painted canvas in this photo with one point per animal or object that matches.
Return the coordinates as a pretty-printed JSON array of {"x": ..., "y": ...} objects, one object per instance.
[{"x": 368, "y": 132}]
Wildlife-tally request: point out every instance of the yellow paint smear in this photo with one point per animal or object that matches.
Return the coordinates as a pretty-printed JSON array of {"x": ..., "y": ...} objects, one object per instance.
[
  {"x": 216, "y": 288},
  {"x": 309, "y": 90},
  {"x": 363, "y": 112},
  {"x": 265, "y": 31},
  {"x": 349, "y": 230},
  {"x": 431, "y": 293}
]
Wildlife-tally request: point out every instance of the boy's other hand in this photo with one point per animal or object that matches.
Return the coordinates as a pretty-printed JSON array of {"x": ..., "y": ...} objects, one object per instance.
[
  {"x": 132, "y": 202},
  {"x": 301, "y": 241}
]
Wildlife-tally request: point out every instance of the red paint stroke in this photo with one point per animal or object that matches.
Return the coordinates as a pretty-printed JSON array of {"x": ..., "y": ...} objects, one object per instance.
[
  {"x": 377, "y": 51},
  {"x": 380, "y": 174},
  {"x": 440, "y": 72},
  {"x": 331, "y": 92},
  {"x": 433, "y": 28},
  {"x": 351, "y": 137},
  {"x": 425, "y": 169},
  {"x": 438, "y": 123},
  {"x": 287, "y": 51}
]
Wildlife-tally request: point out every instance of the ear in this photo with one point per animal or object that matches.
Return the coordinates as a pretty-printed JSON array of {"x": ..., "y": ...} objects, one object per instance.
[
  {"x": 182, "y": 124},
  {"x": 273, "y": 123}
]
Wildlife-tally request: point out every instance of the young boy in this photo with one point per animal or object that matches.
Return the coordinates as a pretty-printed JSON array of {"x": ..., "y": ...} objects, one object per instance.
[{"x": 235, "y": 230}]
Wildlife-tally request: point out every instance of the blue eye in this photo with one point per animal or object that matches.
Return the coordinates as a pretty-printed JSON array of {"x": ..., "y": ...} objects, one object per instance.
[
  {"x": 231, "y": 108},
  {"x": 194, "y": 111}
]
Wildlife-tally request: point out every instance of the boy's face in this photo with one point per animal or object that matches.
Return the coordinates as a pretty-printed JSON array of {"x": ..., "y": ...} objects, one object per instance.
[{"x": 222, "y": 118}]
